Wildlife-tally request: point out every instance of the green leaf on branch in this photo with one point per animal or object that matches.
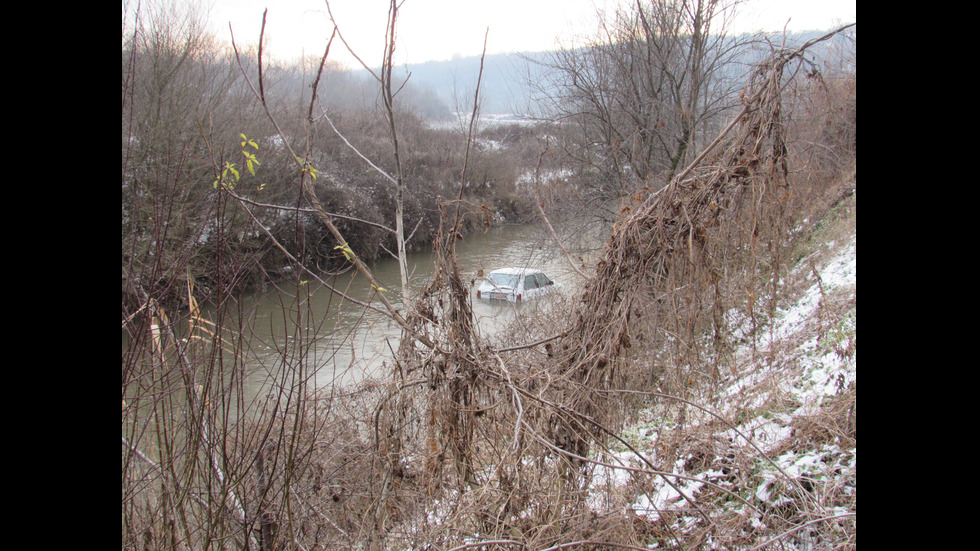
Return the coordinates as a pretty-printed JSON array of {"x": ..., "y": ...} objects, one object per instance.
[
  {"x": 246, "y": 140},
  {"x": 348, "y": 253},
  {"x": 250, "y": 162},
  {"x": 230, "y": 167},
  {"x": 307, "y": 167}
]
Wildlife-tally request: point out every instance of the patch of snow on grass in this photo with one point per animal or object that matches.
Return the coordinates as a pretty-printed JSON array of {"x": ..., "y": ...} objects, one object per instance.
[{"x": 816, "y": 367}]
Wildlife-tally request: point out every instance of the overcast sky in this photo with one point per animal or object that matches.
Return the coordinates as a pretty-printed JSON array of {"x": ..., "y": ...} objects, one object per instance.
[{"x": 440, "y": 29}]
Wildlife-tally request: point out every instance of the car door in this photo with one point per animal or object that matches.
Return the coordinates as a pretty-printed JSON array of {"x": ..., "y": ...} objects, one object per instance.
[
  {"x": 527, "y": 286},
  {"x": 542, "y": 283},
  {"x": 533, "y": 285}
]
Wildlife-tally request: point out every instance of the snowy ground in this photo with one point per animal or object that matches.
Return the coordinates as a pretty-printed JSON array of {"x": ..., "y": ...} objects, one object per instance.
[
  {"x": 772, "y": 448},
  {"x": 764, "y": 456}
]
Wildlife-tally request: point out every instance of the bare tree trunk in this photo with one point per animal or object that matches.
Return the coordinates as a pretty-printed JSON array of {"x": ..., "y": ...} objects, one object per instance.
[
  {"x": 266, "y": 524},
  {"x": 389, "y": 105}
]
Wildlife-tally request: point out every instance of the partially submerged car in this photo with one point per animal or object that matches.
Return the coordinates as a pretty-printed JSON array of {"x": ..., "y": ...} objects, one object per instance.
[{"x": 514, "y": 284}]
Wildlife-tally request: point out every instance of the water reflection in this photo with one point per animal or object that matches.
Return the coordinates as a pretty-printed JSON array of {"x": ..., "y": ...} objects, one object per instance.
[{"x": 345, "y": 342}]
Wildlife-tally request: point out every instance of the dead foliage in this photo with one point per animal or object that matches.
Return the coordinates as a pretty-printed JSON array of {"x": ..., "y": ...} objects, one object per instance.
[
  {"x": 506, "y": 435},
  {"x": 469, "y": 444}
]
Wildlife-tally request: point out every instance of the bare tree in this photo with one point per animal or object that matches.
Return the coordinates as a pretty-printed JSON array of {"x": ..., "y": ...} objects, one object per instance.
[
  {"x": 384, "y": 78},
  {"x": 637, "y": 95}
]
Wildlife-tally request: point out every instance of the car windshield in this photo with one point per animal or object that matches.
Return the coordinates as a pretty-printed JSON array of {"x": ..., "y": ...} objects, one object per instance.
[{"x": 503, "y": 280}]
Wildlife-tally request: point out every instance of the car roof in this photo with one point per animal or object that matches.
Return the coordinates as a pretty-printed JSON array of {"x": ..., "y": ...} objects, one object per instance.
[{"x": 516, "y": 271}]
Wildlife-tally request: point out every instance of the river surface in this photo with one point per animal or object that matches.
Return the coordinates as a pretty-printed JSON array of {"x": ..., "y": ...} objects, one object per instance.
[{"x": 346, "y": 343}]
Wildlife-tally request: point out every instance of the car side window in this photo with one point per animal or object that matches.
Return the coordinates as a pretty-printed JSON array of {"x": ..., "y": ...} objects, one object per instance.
[{"x": 530, "y": 282}]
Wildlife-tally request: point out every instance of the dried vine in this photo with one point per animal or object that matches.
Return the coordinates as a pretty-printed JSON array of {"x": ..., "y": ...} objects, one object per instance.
[{"x": 493, "y": 415}]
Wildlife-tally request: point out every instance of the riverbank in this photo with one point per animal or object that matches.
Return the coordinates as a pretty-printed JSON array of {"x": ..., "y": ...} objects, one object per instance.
[
  {"x": 762, "y": 453},
  {"x": 769, "y": 451}
]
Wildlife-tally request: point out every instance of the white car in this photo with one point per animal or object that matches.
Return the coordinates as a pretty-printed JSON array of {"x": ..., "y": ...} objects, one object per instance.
[{"x": 514, "y": 284}]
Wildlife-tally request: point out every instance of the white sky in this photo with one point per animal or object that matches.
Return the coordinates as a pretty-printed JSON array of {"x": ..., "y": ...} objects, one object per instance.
[{"x": 439, "y": 29}]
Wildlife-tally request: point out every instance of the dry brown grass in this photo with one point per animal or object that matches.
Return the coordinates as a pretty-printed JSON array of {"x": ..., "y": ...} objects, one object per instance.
[
  {"x": 512, "y": 439},
  {"x": 465, "y": 445}
]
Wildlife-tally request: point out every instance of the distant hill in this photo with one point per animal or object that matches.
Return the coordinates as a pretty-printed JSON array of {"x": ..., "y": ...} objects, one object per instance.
[{"x": 504, "y": 88}]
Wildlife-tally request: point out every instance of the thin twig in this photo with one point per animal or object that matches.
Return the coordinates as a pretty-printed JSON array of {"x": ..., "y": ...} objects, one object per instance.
[{"x": 800, "y": 527}]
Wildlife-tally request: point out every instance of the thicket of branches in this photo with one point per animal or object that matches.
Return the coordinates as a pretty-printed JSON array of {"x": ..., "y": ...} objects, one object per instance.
[
  {"x": 186, "y": 102},
  {"x": 465, "y": 441},
  {"x": 507, "y": 434},
  {"x": 647, "y": 91}
]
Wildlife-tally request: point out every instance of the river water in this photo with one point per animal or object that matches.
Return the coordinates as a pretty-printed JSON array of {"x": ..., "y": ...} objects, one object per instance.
[{"x": 346, "y": 343}]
